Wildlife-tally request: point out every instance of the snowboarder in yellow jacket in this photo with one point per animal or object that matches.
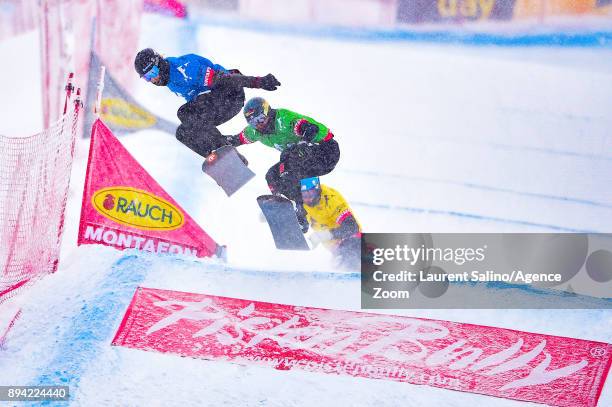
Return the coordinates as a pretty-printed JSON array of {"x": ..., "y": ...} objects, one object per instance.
[{"x": 332, "y": 222}]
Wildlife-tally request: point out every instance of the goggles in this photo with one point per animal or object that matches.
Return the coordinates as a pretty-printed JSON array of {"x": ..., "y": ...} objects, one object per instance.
[
  {"x": 257, "y": 120},
  {"x": 151, "y": 73},
  {"x": 311, "y": 196},
  {"x": 311, "y": 193}
]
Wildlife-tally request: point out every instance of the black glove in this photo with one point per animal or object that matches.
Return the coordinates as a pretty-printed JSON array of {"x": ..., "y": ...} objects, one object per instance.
[
  {"x": 300, "y": 213},
  {"x": 243, "y": 158},
  {"x": 234, "y": 140},
  {"x": 268, "y": 82},
  {"x": 308, "y": 131}
]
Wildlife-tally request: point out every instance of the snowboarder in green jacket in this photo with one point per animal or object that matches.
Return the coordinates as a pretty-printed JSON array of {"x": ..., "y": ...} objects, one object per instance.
[{"x": 307, "y": 148}]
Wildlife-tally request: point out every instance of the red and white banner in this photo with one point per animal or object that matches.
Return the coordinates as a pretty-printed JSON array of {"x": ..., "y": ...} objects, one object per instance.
[
  {"x": 172, "y": 8},
  {"x": 54, "y": 57},
  {"x": 66, "y": 30},
  {"x": 118, "y": 20},
  {"x": 471, "y": 358},
  {"x": 353, "y": 13},
  {"x": 124, "y": 207}
]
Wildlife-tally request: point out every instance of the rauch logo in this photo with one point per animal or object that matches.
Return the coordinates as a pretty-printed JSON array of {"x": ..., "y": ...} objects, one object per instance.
[{"x": 137, "y": 208}]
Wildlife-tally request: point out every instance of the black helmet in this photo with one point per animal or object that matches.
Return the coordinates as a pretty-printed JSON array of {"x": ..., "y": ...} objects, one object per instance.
[
  {"x": 257, "y": 112},
  {"x": 145, "y": 60}
]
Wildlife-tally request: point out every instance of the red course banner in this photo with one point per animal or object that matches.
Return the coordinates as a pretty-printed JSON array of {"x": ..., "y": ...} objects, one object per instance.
[
  {"x": 172, "y": 8},
  {"x": 470, "y": 358},
  {"x": 124, "y": 207}
]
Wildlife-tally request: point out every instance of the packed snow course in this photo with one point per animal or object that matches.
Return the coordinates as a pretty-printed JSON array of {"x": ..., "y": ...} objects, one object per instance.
[{"x": 434, "y": 138}]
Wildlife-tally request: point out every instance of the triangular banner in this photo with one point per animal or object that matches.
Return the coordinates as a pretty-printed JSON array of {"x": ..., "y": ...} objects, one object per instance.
[
  {"x": 121, "y": 113},
  {"x": 124, "y": 207}
]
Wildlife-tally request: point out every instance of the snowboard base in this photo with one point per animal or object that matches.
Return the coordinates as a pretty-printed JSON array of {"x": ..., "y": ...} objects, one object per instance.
[
  {"x": 283, "y": 222},
  {"x": 227, "y": 169}
]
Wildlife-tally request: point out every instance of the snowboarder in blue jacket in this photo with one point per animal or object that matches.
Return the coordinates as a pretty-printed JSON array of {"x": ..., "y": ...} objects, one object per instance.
[{"x": 214, "y": 94}]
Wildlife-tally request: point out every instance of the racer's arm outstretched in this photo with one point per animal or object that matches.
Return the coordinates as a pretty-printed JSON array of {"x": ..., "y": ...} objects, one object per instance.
[{"x": 235, "y": 78}]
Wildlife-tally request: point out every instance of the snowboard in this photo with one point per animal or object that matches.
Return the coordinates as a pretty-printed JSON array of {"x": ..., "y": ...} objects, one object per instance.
[
  {"x": 283, "y": 222},
  {"x": 227, "y": 169}
]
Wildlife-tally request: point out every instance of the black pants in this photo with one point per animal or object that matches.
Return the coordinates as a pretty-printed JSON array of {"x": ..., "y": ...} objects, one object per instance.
[
  {"x": 201, "y": 116},
  {"x": 301, "y": 162}
]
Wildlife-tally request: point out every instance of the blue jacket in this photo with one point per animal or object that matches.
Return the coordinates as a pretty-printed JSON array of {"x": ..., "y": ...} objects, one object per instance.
[{"x": 191, "y": 75}]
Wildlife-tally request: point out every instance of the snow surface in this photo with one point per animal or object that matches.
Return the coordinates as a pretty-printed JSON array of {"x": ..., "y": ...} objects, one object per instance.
[{"x": 434, "y": 139}]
